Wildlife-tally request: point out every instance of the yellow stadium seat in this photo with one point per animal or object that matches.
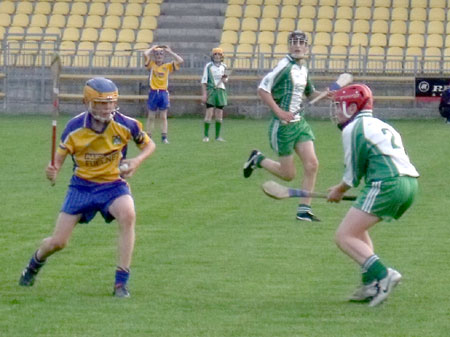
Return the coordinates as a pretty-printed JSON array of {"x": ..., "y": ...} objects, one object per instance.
[
  {"x": 413, "y": 60},
  {"x": 435, "y": 40},
  {"x": 24, "y": 7},
  {"x": 342, "y": 26},
  {"x": 89, "y": 34},
  {"x": 436, "y": 14},
  {"x": 282, "y": 38},
  {"x": 432, "y": 60},
  {"x": 97, "y": 8},
  {"x": 357, "y": 50},
  {"x": 344, "y": 13},
  {"x": 248, "y": 37},
  {"x": 338, "y": 59},
  {"x": 249, "y": 24},
  {"x": 322, "y": 39},
  {"x": 20, "y": 20},
  {"x": 327, "y": 2},
  {"x": 148, "y": 22},
  {"x": 361, "y": 26},
  {"x": 380, "y": 26},
  {"x": 126, "y": 35},
  {"x": 270, "y": 12},
  {"x": 34, "y": 33},
  {"x": 306, "y": 25},
  {"x": 380, "y": 13},
  {"x": 325, "y": 12},
  {"x": 144, "y": 35},
  {"x": 7, "y": 7},
  {"x": 308, "y": 12},
  {"x": 397, "y": 27},
  {"x": 93, "y": 21},
  {"x": 57, "y": 20},
  {"x": 84, "y": 47},
  {"x": 236, "y": 2},
  {"x": 446, "y": 63},
  {"x": 286, "y": 25},
  {"x": 71, "y": 34},
  {"x": 363, "y": 13},
  {"x": 394, "y": 60},
  {"x": 233, "y": 10},
  {"x": 340, "y": 51},
  {"x": 416, "y": 40},
  {"x": 112, "y": 22},
  {"x": 79, "y": 8},
  {"x": 229, "y": 36},
  {"x": 252, "y": 11},
  {"x": 416, "y": 27},
  {"x": 42, "y": 8},
  {"x": 437, "y": 4},
  {"x": 418, "y": 4},
  {"x": 359, "y": 39},
  {"x": 345, "y": 3},
  {"x": 115, "y": 9},
  {"x": 75, "y": 21},
  {"x": 244, "y": 55},
  {"x": 397, "y": 40},
  {"x": 382, "y": 3},
  {"x": 280, "y": 49},
  {"x": 319, "y": 58},
  {"x": 356, "y": 58},
  {"x": 272, "y": 2},
  {"x": 324, "y": 25},
  {"x": 419, "y": 14},
  {"x": 152, "y": 9},
  {"x": 61, "y": 8},
  {"x": 401, "y": 3},
  {"x": 264, "y": 48},
  {"x": 341, "y": 39},
  {"x": 363, "y": 3},
  {"x": 266, "y": 38},
  {"x": 375, "y": 59},
  {"x": 231, "y": 23},
  {"x": 68, "y": 45},
  {"x": 227, "y": 47},
  {"x": 255, "y": 2},
  {"x": 378, "y": 40},
  {"x": 38, "y": 20},
  {"x": 19, "y": 33},
  {"x": 5, "y": 20},
  {"x": 130, "y": 22},
  {"x": 435, "y": 27},
  {"x": 108, "y": 35},
  {"x": 302, "y": 2},
  {"x": 133, "y": 10},
  {"x": 399, "y": 13},
  {"x": 50, "y": 33},
  {"x": 268, "y": 24}
]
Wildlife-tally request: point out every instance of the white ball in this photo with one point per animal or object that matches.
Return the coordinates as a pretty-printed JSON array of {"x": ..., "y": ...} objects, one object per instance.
[{"x": 123, "y": 167}]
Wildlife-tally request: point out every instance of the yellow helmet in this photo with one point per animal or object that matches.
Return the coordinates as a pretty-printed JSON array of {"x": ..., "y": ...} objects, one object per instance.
[
  {"x": 101, "y": 90},
  {"x": 217, "y": 51}
]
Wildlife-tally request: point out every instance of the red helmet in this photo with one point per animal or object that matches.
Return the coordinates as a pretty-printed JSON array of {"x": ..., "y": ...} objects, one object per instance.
[{"x": 349, "y": 101}]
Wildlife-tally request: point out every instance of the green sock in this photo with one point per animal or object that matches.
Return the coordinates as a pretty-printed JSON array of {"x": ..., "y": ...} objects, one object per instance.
[
  {"x": 260, "y": 158},
  {"x": 207, "y": 124},
  {"x": 373, "y": 269},
  {"x": 218, "y": 126}
]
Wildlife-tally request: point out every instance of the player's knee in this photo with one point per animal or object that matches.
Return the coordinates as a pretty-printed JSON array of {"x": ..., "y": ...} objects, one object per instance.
[
  {"x": 55, "y": 244},
  {"x": 312, "y": 165}
]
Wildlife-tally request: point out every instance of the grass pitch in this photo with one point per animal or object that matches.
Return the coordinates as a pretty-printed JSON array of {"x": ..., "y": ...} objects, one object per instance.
[{"x": 214, "y": 256}]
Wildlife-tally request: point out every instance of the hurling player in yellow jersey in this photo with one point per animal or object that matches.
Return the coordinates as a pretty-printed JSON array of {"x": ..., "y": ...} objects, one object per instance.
[
  {"x": 158, "y": 95},
  {"x": 97, "y": 142}
]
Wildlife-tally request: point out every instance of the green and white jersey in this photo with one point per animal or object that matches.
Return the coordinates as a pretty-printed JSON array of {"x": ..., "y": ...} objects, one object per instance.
[
  {"x": 287, "y": 83},
  {"x": 373, "y": 149},
  {"x": 212, "y": 75}
]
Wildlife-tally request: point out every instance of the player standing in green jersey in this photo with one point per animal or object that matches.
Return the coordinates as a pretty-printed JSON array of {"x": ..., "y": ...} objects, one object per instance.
[
  {"x": 214, "y": 94},
  {"x": 283, "y": 90},
  {"x": 374, "y": 150}
]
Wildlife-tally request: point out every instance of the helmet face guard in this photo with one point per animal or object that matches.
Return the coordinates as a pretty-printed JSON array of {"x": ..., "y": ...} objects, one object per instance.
[
  {"x": 101, "y": 96},
  {"x": 298, "y": 44},
  {"x": 217, "y": 55}
]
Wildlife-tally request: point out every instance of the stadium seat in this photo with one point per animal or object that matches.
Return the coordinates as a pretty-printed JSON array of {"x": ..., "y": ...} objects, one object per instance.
[
  {"x": 446, "y": 63},
  {"x": 344, "y": 13},
  {"x": 268, "y": 24},
  {"x": 419, "y": 14},
  {"x": 380, "y": 26},
  {"x": 264, "y": 48},
  {"x": 97, "y": 8},
  {"x": 108, "y": 35},
  {"x": 322, "y": 39},
  {"x": 338, "y": 59},
  {"x": 302, "y": 2},
  {"x": 324, "y": 25},
  {"x": 361, "y": 26},
  {"x": 24, "y": 7},
  {"x": 286, "y": 25},
  {"x": 144, "y": 35},
  {"x": 126, "y": 35},
  {"x": 345, "y": 3},
  {"x": 115, "y": 9},
  {"x": 233, "y": 10},
  {"x": 93, "y": 21},
  {"x": 57, "y": 20},
  {"x": 229, "y": 36},
  {"x": 249, "y": 24},
  {"x": 378, "y": 40},
  {"x": 38, "y": 20},
  {"x": 43, "y": 8},
  {"x": 399, "y": 13},
  {"x": 435, "y": 27},
  {"x": 362, "y": 13},
  {"x": 397, "y": 27},
  {"x": 325, "y": 12},
  {"x": 270, "y": 11},
  {"x": 416, "y": 27},
  {"x": 436, "y": 14},
  {"x": 380, "y": 13},
  {"x": 447, "y": 41},
  {"x": 51, "y": 32},
  {"x": 306, "y": 25},
  {"x": 327, "y": 2},
  {"x": 416, "y": 40},
  {"x": 319, "y": 58},
  {"x": 359, "y": 39},
  {"x": 130, "y": 22},
  {"x": 434, "y": 40},
  {"x": 227, "y": 48},
  {"x": 252, "y": 11},
  {"x": 382, "y": 3},
  {"x": 85, "y": 47},
  {"x": 375, "y": 59},
  {"x": 341, "y": 39},
  {"x": 79, "y": 8},
  {"x": 272, "y": 2},
  {"x": 148, "y": 22},
  {"x": 418, "y": 3},
  {"x": 394, "y": 60},
  {"x": 282, "y": 38},
  {"x": 61, "y": 8},
  {"x": 342, "y": 26},
  {"x": 7, "y": 7},
  {"x": 244, "y": 53},
  {"x": 266, "y": 38},
  {"x": 20, "y": 20},
  {"x": 89, "y": 34},
  {"x": 75, "y": 21},
  {"x": 68, "y": 46},
  {"x": 112, "y": 22},
  {"x": 432, "y": 60},
  {"x": 281, "y": 49},
  {"x": 363, "y": 3},
  {"x": 247, "y": 37},
  {"x": 71, "y": 34},
  {"x": 133, "y": 10},
  {"x": 5, "y": 20},
  {"x": 413, "y": 60},
  {"x": 397, "y": 40},
  {"x": 255, "y": 2},
  {"x": 437, "y": 4},
  {"x": 231, "y": 23},
  {"x": 356, "y": 58},
  {"x": 308, "y": 12},
  {"x": 34, "y": 33}
]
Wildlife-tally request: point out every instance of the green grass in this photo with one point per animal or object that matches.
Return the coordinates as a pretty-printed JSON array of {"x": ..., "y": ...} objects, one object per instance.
[{"x": 214, "y": 256}]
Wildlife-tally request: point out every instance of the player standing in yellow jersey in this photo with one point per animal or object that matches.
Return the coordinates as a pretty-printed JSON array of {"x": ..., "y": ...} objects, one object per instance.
[
  {"x": 158, "y": 96},
  {"x": 97, "y": 142}
]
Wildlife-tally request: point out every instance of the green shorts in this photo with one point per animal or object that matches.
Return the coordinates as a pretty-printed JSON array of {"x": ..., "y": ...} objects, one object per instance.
[
  {"x": 388, "y": 199},
  {"x": 217, "y": 98},
  {"x": 284, "y": 137}
]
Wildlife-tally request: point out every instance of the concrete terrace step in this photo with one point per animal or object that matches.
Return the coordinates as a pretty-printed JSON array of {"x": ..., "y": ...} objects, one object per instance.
[
  {"x": 187, "y": 22},
  {"x": 193, "y": 9},
  {"x": 188, "y": 35}
]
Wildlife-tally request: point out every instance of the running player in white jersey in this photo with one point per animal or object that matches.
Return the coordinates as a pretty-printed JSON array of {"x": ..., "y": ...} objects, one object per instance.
[{"x": 374, "y": 150}]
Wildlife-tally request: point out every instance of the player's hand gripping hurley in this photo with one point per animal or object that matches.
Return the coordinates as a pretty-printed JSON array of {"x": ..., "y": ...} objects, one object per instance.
[
  {"x": 277, "y": 191},
  {"x": 343, "y": 80}
]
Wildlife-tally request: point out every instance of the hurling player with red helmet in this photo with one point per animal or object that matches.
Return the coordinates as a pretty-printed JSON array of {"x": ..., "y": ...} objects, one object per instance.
[
  {"x": 97, "y": 141},
  {"x": 373, "y": 150}
]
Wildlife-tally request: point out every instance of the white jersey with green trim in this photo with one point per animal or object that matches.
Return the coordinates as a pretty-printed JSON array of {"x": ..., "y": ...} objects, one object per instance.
[
  {"x": 373, "y": 149},
  {"x": 212, "y": 75}
]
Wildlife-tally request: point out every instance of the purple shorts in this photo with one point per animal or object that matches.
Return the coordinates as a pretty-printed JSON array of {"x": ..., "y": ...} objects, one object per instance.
[{"x": 158, "y": 100}]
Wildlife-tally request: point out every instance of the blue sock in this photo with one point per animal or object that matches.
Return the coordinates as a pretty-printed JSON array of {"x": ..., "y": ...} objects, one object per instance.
[
  {"x": 35, "y": 263},
  {"x": 122, "y": 275}
]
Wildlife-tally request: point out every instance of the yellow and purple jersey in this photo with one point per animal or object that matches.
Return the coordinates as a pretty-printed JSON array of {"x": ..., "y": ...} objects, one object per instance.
[
  {"x": 97, "y": 155},
  {"x": 158, "y": 78}
]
